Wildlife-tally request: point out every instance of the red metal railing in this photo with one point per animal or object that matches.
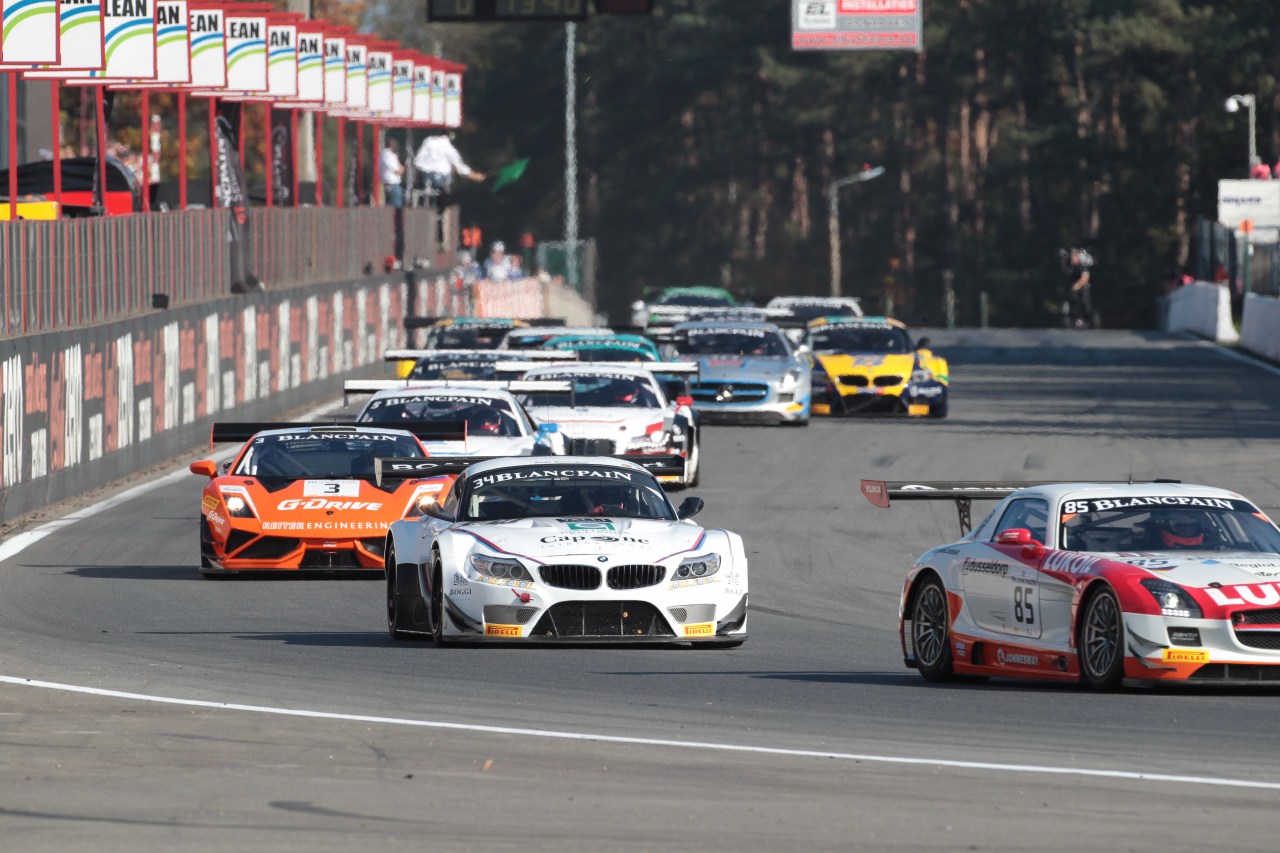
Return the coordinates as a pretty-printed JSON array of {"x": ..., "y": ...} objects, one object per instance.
[{"x": 74, "y": 272}]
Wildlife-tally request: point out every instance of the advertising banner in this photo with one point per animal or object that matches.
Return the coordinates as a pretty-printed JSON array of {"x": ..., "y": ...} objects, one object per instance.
[
  {"x": 1256, "y": 202},
  {"x": 422, "y": 93},
  {"x": 402, "y": 87},
  {"x": 282, "y": 158},
  {"x": 856, "y": 24},
  {"x": 128, "y": 44},
  {"x": 282, "y": 60},
  {"x": 80, "y": 39},
  {"x": 208, "y": 47},
  {"x": 357, "y": 75},
  {"x": 437, "y": 96},
  {"x": 31, "y": 32},
  {"x": 230, "y": 188},
  {"x": 378, "y": 75},
  {"x": 246, "y": 52},
  {"x": 335, "y": 69},
  {"x": 310, "y": 65},
  {"x": 453, "y": 99}
]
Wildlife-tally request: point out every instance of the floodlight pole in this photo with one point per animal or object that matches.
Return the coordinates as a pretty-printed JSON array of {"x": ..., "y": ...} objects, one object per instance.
[
  {"x": 570, "y": 153},
  {"x": 833, "y": 223}
]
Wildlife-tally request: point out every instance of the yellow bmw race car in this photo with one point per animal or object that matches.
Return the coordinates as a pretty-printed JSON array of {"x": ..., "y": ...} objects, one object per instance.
[{"x": 871, "y": 365}]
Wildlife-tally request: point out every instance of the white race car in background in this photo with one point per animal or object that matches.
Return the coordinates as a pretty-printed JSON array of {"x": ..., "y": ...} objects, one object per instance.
[
  {"x": 619, "y": 409},
  {"x": 568, "y": 548},
  {"x": 455, "y": 419}
]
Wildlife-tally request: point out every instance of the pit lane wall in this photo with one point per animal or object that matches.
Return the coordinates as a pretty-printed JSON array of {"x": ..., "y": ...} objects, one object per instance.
[
  {"x": 530, "y": 298},
  {"x": 1203, "y": 309},
  {"x": 87, "y": 406},
  {"x": 1260, "y": 328}
]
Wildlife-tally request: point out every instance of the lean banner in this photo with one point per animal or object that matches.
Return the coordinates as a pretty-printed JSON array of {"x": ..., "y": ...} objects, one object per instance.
[
  {"x": 79, "y": 41},
  {"x": 856, "y": 24}
]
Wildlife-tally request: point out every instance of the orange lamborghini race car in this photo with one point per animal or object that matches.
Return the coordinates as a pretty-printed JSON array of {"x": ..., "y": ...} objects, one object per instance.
[{"x": 303, "y": 496}]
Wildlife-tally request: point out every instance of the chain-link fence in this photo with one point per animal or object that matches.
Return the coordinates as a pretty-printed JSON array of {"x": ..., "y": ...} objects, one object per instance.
[
  {"x": 1249, "y": 263},
  {"x": 578, "y": 268}
]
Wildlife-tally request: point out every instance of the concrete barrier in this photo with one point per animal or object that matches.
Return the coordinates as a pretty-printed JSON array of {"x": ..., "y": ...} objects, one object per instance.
[
  {"x": 1260, "y": 327},
  {"x": 1203, "y": 309},
  {"x": 528, "y": 298},
  {"x": 84, "y": 407}
]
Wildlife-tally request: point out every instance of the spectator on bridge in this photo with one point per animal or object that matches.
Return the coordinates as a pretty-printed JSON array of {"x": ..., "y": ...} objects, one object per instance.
[
  {"x": 517, "y": 270},
  {"x": 392, "y": 173},
  {"x": 436, "y": 162},
  {"x": 498, "y": 267},
  {"x": 1259, "y": 171}
]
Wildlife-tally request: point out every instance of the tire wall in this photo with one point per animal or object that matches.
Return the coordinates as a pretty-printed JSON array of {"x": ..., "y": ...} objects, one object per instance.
[{"x": 87, "y": 406}]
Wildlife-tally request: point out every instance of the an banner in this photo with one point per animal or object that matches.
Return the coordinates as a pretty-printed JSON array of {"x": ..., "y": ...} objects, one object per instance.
[
  {"x": 379, "y": 80},
  {"x": 453, "y": 99},
  {"x": 402, "y": 88},
  {"x": 173, "y": 44},
  {"x": 437, "y": 96},
  {"x": 31, "y": 33},
  {"x": 230, "y": 194},
  {"x": 80, "y": 39},
  {"x": 335, "y": 69},
  {"x": 129, "y": 46},
  {"x": 282, "y": 60},
  {"x": 310, "y": 65},
  {"x": 422, "y": 94},
  {"x": 282, "y": 158},
  {"x": 208, "y": 48},
  {"x": 856, "y": 24},
  {"x": 246, "y": 52},
  {"x": 357, "y": 76}
]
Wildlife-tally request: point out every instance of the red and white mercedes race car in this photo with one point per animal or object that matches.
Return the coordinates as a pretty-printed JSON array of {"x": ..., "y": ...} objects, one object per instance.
[{"x": 1095, "y": 582}]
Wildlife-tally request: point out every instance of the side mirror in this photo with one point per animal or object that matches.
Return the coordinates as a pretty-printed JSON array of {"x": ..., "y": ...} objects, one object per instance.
[
  {"x": 804, "y": 349},
  {"x": 684, "y": 401},
  {"x": 434, "y": 510},
  {"x": 690, "y": 508},
  {"x": 924, "y": 343},
  {"x": 205, "y": 468},
  {"x": 1015, "y": 536}
]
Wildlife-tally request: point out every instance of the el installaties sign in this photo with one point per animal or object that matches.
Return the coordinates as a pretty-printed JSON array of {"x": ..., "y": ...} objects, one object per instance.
[{"x": 856, "y": 24}]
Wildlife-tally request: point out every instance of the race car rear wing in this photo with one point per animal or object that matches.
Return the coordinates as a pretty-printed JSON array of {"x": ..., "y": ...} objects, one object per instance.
[
  {"x": 372, "y": 386},
  {"x": 414, "y": 468},
  {"x": 463, "y": 354},
  {"x": 421, "y": 322},
  {"x": 655, "y": 367},
  {"x": 963, "y": 492},
  {"x": 231, "y": 432}
]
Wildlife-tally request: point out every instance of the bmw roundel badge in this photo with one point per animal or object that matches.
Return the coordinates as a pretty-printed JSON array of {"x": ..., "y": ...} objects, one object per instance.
[{"x": 602, "y": 559}]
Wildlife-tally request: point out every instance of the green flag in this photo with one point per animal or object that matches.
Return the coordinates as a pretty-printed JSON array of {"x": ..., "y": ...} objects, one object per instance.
[{"x": 510, "y": 174}]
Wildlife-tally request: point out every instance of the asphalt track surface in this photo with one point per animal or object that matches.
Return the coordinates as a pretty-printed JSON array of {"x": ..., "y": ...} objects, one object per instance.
[{"x": 114, "y": 602}]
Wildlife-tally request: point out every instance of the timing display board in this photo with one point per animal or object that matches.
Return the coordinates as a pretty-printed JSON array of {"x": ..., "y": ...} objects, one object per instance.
[{"x": 856, "y": 24}]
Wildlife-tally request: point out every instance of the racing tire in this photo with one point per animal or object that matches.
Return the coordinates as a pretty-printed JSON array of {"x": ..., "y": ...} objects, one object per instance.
[
  {"x": 206, "y": 549},
  {"x": 437, "y": 600},
  {"x": 695, "y": 462},
  {"x": 400, "y": 605},
  {"x": 1101, "y": 642},
  {"x": 931, "y": 632},
  {"x": 938, "y": 410}
]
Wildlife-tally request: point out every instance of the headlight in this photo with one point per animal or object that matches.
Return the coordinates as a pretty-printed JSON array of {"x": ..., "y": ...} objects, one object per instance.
[
  {"x": 423, "y": 497},
  {"x": 922, "y": 375},
  {"x": 698, "y": 567},
  {"x": 496, "y": 567},
  {"x": 237, "y": 506},
  {"x": 1173, "y": 599},
  {"x": 790, "y": 382}
]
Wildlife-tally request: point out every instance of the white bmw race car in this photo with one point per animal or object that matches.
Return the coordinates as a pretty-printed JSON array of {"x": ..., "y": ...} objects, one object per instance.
[
  {"x": 1095, "y": 582},
  {"x": 561, "y": 548}
]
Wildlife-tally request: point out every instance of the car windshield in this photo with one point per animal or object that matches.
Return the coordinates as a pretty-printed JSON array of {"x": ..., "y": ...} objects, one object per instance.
[
  {"x": 561, "y": 491},
  {"x": 322, "y": 456},
  {"x": 813, "y": 310},
  {"x": 466, "y": 337},
  {"x": 1159, "y": 523},
  {"x": 614, "y": 354},
  {"x": 477, "y": 416},
  {"x": 878, "y": 339},
  {"x": 728, "y": 341},
  {"x": 436, "y": 369},
  {"x": 598, "y": 390},
  {"x": 695, "y": 300}
]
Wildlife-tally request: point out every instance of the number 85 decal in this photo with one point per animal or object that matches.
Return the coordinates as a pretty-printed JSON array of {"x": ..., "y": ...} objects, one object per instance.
[{"x": 1026, "y": 604}]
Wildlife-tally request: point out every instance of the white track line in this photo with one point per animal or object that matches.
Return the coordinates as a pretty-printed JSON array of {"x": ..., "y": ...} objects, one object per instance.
[
  {"x": 19, "y": 543},
  {"x": 1126, "y": 775}
]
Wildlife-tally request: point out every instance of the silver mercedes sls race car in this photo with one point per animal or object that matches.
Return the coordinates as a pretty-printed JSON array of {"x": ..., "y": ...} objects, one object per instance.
[{"x": 561, "y": 548}]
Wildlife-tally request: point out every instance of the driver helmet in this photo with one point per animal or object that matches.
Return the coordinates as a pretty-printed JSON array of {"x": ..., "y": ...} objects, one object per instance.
[
  {"x": 625, "y": 392},
  {"x": 1181, "y": 529},
  {"x": 484, "y": 422},
  {"x": 610, "y": 500}
]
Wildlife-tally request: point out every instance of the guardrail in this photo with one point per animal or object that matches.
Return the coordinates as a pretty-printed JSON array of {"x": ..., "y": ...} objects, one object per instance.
[{"x": 75, "y": 272}]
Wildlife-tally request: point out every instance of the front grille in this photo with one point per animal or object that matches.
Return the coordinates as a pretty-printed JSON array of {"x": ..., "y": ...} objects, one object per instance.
[
  {"x": 330, "y": 560},
  {"x": 694, "y": 613},
  {"x": 602, "y": 619},
  {"x": 503, "y": 614},
  {"x": 570, "y": 577},
  {"x": 854, "y": 380},
  {"x": 1257, "y": 617},
  {"x": 237, "y": 539},
  {"x": 635, "y": 577},
  {"x": 887, "y": 381},
  {"x": 1269, "y": 640},
  {"x": 1236, "y": 672},
  {"x": 729, "y": 392},
  {"x": 268, "y": 548},
  {"x": 589, "y": 446}
]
